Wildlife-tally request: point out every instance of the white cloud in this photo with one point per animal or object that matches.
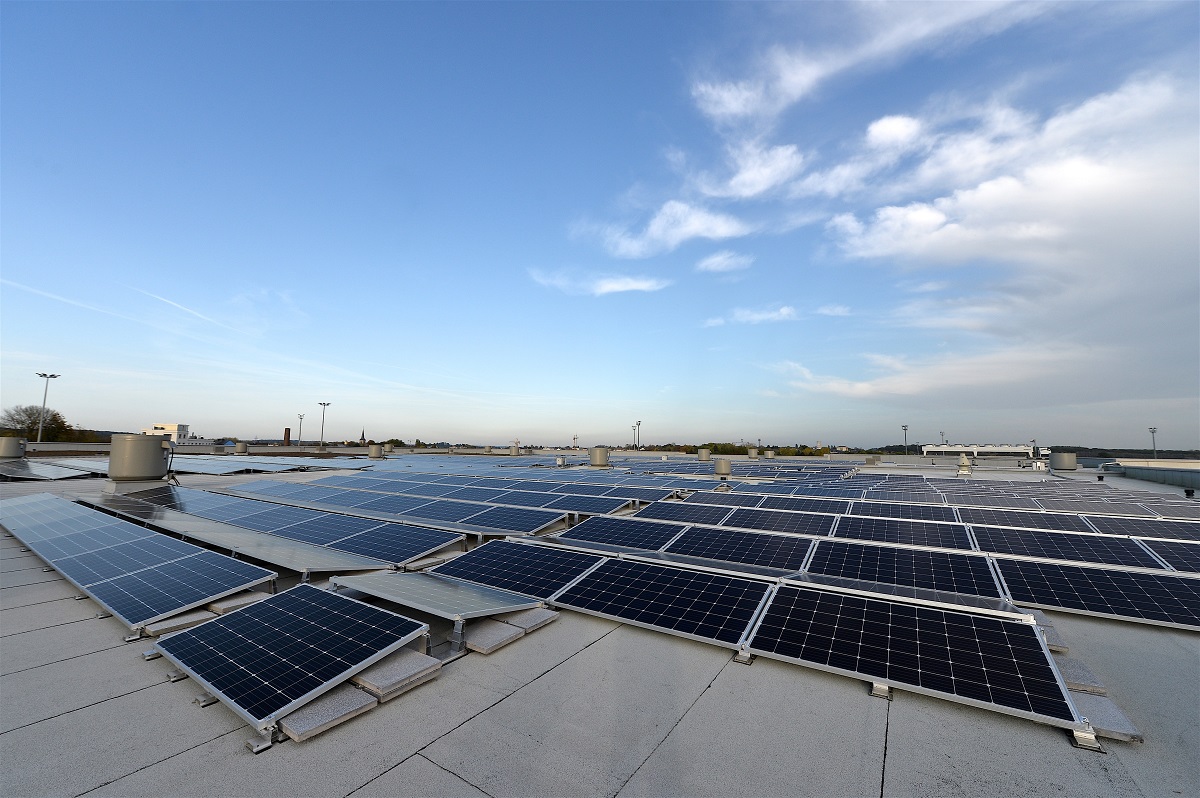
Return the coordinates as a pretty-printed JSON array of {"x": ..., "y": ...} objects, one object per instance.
[
  {"x": 754, "y": 316},
  {"x": 893, "y": 132},
  {"x": 724, "y": 261},
  {"x": 596, "y": 285},
  {"x": 756, "y": 170},
  {"x": 834, "y": 310},
  {"x": 675, "y": 223}
]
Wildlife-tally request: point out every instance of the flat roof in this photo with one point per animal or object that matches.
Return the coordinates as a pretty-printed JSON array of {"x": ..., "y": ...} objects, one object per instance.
[{"x": 583, "y": 706}]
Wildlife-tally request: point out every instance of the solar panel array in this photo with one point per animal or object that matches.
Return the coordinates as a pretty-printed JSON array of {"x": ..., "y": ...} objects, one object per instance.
[
  {"x": 270, "y": 658},
  {"x": 389, "y": 543},
  {"x": 138, "y": 575}
]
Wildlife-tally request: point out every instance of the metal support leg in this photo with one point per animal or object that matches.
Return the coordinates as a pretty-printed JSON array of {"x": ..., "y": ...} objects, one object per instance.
[{"x": 457, "y": 638}]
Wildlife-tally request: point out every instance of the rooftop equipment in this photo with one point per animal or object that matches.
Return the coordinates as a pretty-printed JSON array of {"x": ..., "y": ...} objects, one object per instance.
[{"x": 12, "y": 448}]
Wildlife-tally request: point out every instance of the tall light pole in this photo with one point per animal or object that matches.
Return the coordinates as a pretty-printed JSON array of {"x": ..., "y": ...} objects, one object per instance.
[
  {"x": 45, "y": 393},
  {"x": 639, "y": 436},
  {"x": 300, "y": 434},
  {"x": 905, "y": 428},
  {"x": 633, "y": 429},
  {"x": 1153, "y": 441},
  {"x": 323, "y": 405},
  {"x": 943, "y": 434}
]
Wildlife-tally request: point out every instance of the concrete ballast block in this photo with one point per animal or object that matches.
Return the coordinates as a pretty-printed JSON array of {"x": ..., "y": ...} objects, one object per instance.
[
  {"x": 398, "y": 673},
  {"x": 235, "y": 602},
  {"x": 184, "y": 621},
  {"x": 337, "y": 706},
  {"x": 486, "y": 636},
  {"x": 1078, "y": 676},
  {"x": 530, "y": 619}
]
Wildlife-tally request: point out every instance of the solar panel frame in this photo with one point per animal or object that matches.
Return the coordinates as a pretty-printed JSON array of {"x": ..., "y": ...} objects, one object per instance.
[
  {"x": 910, "y": 512},
  {"x": 386, "y": 632},
  {"x": 1180, "y": 555},
  {"x": 527, "y": 520},
  {"x": 519, "y": 568},
  {"x": 626, "y": 532},
  {"x": 903, "y": 531},
  {"x": 684, "y": 512},
  {"x": 941, "y": 571},
  {"x": 1021, "y": 519},
  {"x": 780, "y": 521},
  {"x": 1147, "y": 527},
  {"x": 763, "y": 549},
  {"x": 1066, "y": 546}
]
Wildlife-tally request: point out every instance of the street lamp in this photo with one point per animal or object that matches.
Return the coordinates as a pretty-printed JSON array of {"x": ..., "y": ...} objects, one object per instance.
[
  {"x": 943, "y": 434},
  {"x": 300, "y": 434},
  {"x": 639, "y": 436},
  {"x": 323, "y": 405},
  {"x": 905, "y": 428},
  {"x": 1153, "y": 442},
  {"x": 633, "y": 430},
  {"x": 45, "y": 393}
]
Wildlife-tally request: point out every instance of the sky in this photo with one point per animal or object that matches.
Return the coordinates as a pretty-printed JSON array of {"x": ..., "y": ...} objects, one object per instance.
[{"x": 487, "y": 222}]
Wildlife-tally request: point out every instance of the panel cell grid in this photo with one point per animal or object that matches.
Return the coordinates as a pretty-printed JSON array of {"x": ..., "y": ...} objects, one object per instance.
[
  {"x": 628, "y": 532},
  {"x": 532, "y": 570},
  {"x": 956, "y": 654},
  {"x": 1019, "y": 518},
  {"x": 725, "y": 499},
  {"x": 754, "y": 548},
  {"x": 682, "y": 511},
  {"x": 396, "y": 543},
  {"x": 805, "y": 504},
  {"x": 705, "y": 605},
  {"x": 915, "y": 512},
  {"x": 1064, "y": 546},
  {"x": 931, "y": 570},
  {"x": 1181, "y": 556},
  {"x": 514, "y": 519},
  {"x": 781, "y": 521},
  {"x": 1147, "y": 527},
  {"x": 1153, "y": 597},
  {"x": 909, "y": 533}
]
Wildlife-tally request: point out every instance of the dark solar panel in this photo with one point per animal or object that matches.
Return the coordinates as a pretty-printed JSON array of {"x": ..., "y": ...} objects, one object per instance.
[
  {"x": 972, "y": 657},
  {"x": 1153, "y": 597},
  {"x": 537, "y": 571},
  {"x": 1181, "y": 556},
  {"x": 805, "y": 504},
  {"x": 910, "y": 533},
  {"x": 916, "y": 512},
  {"x": 524, "y": 498},
  {"x": 276, "y": 516},
  {"x": 725, "y": 499},
  {"x": 445, "y": 510},
  {"x": 273, "y": 656},
  {"x": 628, "y": 532},
  {"x": 1147, "y": 527},
  {"x": 326, "y": 528},
  {"x": 1019, "y": 518},
  {"x": 598, "y": 505},
  {"x": 781, "y": 521},
  {"x": 754, "y": 548},
  {"x": 373, "y": 503},
  {"x": 931, "y": 570},
  {"x": 1085, "y": 506},
  {"x": 1064, "y": 546},
  {"x": 515, "y": 519},
  {"x": 710, "y": 606},
  {"x": 474, "y": 494},
  {"x": 640, "y": 494},
  {"x": 396, "y": 543},
  {"x": 682, "y": 511},
  {"x": 123, "y": 558},
  {"x": 580, "y": 490}
]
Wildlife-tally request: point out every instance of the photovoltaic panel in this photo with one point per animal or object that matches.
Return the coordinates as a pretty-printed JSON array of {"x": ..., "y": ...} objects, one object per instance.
[
  {"x": 525, "y": 498},
  {"x": 909, "y": 533},
  {"x": 628, "y": 532},
  {"x": 580, "y": 490},
  {"x": 916, "y": 512},
  {"x": 1084, "y": 506},
  {"x": 272, "y": 657},
  {"x": 598, "y": 505},
  {"x": 391, "y": 504},
  {"x": 682, "y": 511},
  {"x": 805, "y": 504},
  {"x": 474, "y": 494},
  {"x": 1160, "y": 598},
  {"x": 443, "y": 510},
  {"x": 930, "y": 570},
  {"x": 396, "y": 543},
  {"x": 780, "y": 521},
  {"x": 112, "y": 561},
  {"x": 514, "y": 519},
  {"x": 1064, "y": 546},
  {"x": 1181, "y": 556},
  {"x": 754, "y": 548},
  {"x": 274, "y": 517},
  {"x": 327, "y": 528},
  {"x": 712, "y": 607},
  {"x": 979, "y": 659},
  {"x": 725, "y": 499},
  {"x": 640, "y": 494},
  {"x": 1019, "y": 518},
  {"x": 537, "y": 571},
  {"x": 1147, "y": 527}
]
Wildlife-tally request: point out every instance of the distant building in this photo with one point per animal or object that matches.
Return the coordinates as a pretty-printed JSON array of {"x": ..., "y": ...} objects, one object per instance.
[
  {"x": 177, "y": 433},
  {"x": 978, "y": 449}
]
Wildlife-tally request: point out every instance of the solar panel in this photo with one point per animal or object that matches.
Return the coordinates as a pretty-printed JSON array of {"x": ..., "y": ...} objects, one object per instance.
[
  {"x": 909, "y": 533},
  {"x": 1018, "y": 518},
  {"x": 597, "y": 505},
  {"x": 270, "y": 658},
  {"x": 396, "y": 543},
  {"x": 780, "y": 521},
  {"x": 474, "y": 494},
  {"x": 1085, "y": 506},
  {"x": 976, "y": 659},
  {"x": 445, "y": 510},
  {"x": 916, "y": 512},
  {"x": 712, "y": 607},
  {"x": 275, "y": 517},
  {"x": 1156, "y": 598},
  {"x": 931, "y": 570},
  {"x": 533, "y": 570},
  {"x": 525, "y": 498},
  {"x": 640, "y": 494},
  {"x": 445, "y": 598},
  {"x": 628, "y": 532},
  {"x": 578, "y": 489},
  {"x": 1146, "y": 527},
  {"x": 31, "y": 469},
  {"x": 1181, "y": 556},
  {"x": 107, "y": 562},
  {"x": 391, "y": 504},
  {"x": 1065, "y": 546},
  {"x": 326, "y": 528},
  {"x": 682, "y": 511},
  {"x": 805, "y": 504},
  {"x": 514, "y": 519},
  {"x": 725, "y": 499},
  {"x": 754, "y": 548}
]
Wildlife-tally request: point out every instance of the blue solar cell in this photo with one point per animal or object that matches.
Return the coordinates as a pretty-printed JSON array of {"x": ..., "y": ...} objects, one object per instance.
[
  {"x": 537, "y": 571},
  {"x": 754, "y": 548},
  {"x": 780, "y": 521},
  {"x": 628, "y": 532}
]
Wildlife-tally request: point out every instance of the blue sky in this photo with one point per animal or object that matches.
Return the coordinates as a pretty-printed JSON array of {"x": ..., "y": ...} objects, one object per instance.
[{"x": 484, "y": 222}]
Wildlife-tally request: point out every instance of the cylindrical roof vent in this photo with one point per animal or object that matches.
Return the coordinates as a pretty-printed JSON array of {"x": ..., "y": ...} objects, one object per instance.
[
  {"x": 487, "y": 449},
  {"x": 560, "y": 460},
  {"x": 241, "y": 448},
  {"x": 722, "y": 467},
  {"x": 704, "y": 454},
  {"x": 375, "y": 452},
  {"x": 598, "y": 456},
  {"x": 388, "y": 448},
  {"x": 752, "y": 453},
  {"x": 769, "y": 454},
  {"x": 1063, "y": 461},
  {"x": 513, "y": 451},
  {"x": 12, "y": 448},
  {"x": 136, "y": 458}
]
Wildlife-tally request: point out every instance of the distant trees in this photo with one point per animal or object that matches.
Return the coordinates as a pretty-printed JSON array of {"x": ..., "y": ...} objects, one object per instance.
[{"x": 23, "y": 420}]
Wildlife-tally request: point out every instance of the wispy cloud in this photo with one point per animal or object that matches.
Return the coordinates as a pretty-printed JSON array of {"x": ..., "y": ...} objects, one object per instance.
[
  {"x": 185, "y": 309},
  {"x": 674, "y": 223},
  {"x": 596, "y": 285},
  {"x": 834, "y": 310},
  {"x": 756, "y": 169},
  {"x": 724, "y": 261},
  {"x": 754, "y": 316}
]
